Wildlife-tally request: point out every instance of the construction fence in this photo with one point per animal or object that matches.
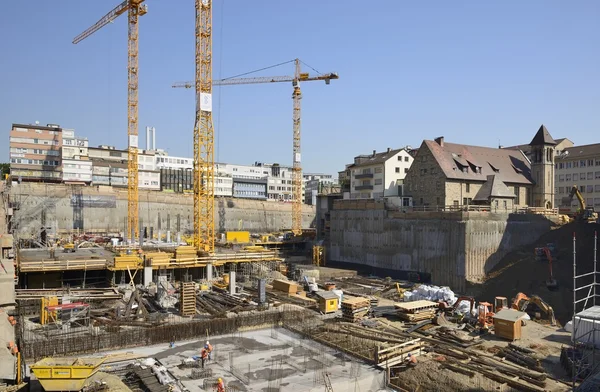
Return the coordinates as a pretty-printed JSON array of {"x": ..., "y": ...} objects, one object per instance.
[{"x": 74, "y": 345}]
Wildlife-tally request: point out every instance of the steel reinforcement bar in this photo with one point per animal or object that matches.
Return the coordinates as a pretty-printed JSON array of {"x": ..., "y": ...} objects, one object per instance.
[{"x": 75, "y": 345}]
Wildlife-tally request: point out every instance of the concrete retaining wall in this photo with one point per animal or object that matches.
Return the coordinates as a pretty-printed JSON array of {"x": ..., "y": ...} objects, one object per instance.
[
  {"x": 453, "y": 247},
  {"x": 104, "y": 209}
]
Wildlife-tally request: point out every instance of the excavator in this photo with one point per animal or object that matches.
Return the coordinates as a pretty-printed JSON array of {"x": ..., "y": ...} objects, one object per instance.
[
  {"x": 551, "y": 283},
  {"x": 522, "y": 301},
  {"x": 585, "y": 214}
]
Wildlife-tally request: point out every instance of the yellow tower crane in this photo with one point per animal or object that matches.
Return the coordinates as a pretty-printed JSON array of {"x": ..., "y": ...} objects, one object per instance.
[
  {"x": 296, "y": 96},
  {"x": 204, "y": 157},
  {"x": 134, "y": 9}
]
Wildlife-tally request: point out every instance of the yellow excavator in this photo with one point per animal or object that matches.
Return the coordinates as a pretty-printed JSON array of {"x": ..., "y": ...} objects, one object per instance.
[
  {"x": 521, "y": 302},
  {"x": 585, "y": 213}
]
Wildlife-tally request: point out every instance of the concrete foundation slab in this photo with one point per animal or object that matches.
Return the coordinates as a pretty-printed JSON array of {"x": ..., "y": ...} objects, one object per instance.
[{"x": 269, "y": 360}]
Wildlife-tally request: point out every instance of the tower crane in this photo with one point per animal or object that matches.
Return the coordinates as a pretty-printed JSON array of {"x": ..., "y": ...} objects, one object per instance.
[
  {"x": 204, "y": 158},
  {"x": 134, "y": 9},
  {"x": 298, "y": 77}
]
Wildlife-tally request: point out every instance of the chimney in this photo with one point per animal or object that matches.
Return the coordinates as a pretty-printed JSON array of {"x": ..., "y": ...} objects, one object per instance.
[
  {"x": 440, "y": 141},
  {"x": 389, "y": 149},
  {"x": 374, "y": 152}
]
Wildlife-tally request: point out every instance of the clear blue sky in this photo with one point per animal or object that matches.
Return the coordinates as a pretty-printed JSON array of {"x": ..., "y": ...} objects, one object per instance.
[{"x": 473, "y": 71}]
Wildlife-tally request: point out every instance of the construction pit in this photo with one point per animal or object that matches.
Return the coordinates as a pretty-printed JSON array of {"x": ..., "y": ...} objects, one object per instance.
[{"x": 275, "y": 325}]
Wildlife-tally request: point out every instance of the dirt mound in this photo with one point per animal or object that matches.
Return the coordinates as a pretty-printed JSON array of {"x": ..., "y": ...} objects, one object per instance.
[{"x": 519, "y": 271}]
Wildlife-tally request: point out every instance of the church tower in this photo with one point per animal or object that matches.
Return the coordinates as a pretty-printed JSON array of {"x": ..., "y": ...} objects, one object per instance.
[{"x": 542, "y": 169}]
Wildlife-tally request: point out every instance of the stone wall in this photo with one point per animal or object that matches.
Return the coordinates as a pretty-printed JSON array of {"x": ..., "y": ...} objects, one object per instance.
[
  {"x": 63, "y": 208},
  {"x": 427, "y": 185},
  {"x": 453, "y": 247}
]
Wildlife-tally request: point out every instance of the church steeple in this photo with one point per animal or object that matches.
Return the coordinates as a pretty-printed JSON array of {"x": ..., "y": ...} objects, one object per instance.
[{"x": 542, "y": 168}]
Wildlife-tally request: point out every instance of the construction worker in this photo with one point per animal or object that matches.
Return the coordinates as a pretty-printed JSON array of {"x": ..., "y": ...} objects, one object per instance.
[
  {"x": 203, "y": 356},
  {"x": 208, "y": 347},
  {"x": 410, "y": 360},
  {"x": 220, "y": 385}
]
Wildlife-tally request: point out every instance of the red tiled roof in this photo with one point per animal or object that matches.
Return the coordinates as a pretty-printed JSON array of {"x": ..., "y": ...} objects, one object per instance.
[{"x": 510, "y": 166}]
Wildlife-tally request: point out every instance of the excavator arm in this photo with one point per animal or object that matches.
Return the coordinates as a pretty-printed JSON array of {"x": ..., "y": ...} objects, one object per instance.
[{"x": 575, "y": 192}]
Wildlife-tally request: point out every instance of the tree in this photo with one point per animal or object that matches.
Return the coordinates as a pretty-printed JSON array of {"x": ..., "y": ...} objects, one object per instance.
[{"x": 4, "y": 169}]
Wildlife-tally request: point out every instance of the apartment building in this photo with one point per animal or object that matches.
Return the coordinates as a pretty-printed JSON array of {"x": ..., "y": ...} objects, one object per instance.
[
  {"x": 578, "y": 166},
  {"x": 109, "y": 165},
  {"x": 76, "y": 165},
  {"x": 35, "y": 152},
  {"x": 314, "y": 183},
  {"x": 380, "y": 175}
]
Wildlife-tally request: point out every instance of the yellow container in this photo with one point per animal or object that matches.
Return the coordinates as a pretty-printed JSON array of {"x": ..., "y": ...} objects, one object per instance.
[
  {"x": 240, "y": 237},
  {"x": 65, "y": 374}
]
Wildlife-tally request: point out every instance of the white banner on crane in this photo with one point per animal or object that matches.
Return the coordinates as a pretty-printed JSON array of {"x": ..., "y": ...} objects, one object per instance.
[
  {"x": 133, "y": 141},
  {"x": 206, "y": 102},
  {"x": 297, "y": 157}
]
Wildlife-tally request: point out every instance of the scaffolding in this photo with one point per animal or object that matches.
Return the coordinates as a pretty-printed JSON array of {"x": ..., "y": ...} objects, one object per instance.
[{"x": 585, "y": 335}]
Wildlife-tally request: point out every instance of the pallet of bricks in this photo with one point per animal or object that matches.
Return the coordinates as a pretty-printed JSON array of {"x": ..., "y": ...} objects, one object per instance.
[
  {"x": 415, "y": 311},
  {"x": 355, "y": 309}
]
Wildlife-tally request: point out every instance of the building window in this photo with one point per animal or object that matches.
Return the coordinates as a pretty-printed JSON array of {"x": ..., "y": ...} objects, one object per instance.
[
  {"x": 590, "y": 175},
  {"x": 378, "y": 170},
  {"x": 597, "y": 188},
  {"x": 378, "y": 181},
  {"x": 582, "y": 176},
  {"x": 397, "y": 170},
  {"x": 582, "y": 163},
  {"x": 561, "y": 177},
  {"x": 575, "y": 163},
  {"x": 405, "y": 159},
  {"x": 467, "y": 188},
  {"x": 568, "y": 177},
  {"x": 561, "y": 189},
  {"x": 582, "y": 188},
  {"x": 575, "y": 177},
  {"x": 405, "y": 170},
  {"x": 590, "y": 162},
  {"x": 518, "y": 195},
  {"x": 399, "y": 158},
  {"x": 590, "y": 189},
  {"x": 561, "y": 165}
]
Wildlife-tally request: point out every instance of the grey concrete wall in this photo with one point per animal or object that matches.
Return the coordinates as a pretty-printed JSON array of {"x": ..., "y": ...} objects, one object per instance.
[
  {"x": 52, "y": 203},
  {"x": 453, "y": 247}
]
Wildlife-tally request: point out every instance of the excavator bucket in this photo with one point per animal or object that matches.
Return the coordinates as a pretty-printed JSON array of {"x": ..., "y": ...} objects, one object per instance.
[{"x": 552, "y": 284}]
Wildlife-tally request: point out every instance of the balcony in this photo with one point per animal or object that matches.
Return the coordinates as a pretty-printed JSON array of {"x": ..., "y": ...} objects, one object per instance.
[
  {"x": 363, "y": 187},
  {"x": 363, "y": 175}
]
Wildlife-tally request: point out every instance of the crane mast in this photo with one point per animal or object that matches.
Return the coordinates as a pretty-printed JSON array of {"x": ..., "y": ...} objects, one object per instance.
[
  {"x": 134, "y": 9},
  {"x": 204, "y": 161},
  {"x": 297, "y": 165}
]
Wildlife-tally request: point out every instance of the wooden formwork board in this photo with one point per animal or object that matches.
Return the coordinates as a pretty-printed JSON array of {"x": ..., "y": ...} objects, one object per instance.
[{"x": 188, "y": 299}]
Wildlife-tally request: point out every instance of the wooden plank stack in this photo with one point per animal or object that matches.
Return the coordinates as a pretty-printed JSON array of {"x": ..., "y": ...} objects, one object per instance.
[
  {"x": 416, "y": 311},
  {"x": 286, "y": 286},
  {"x": 185, "y": 253},
  {"x": 354, "y": 309}
]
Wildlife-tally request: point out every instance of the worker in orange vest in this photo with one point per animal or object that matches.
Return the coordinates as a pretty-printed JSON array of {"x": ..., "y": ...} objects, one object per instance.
[
  {"x": 220, "y": 385},
  {"x": 203, "y": 356},
  {"x": 208, "y": 347}
]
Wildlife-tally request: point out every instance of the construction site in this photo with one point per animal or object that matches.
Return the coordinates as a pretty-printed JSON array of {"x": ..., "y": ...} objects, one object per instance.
[{"x": 130, "y": 290}]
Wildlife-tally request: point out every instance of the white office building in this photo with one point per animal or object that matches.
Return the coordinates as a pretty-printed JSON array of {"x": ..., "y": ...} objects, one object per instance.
[{"x": 578, "y": 166}]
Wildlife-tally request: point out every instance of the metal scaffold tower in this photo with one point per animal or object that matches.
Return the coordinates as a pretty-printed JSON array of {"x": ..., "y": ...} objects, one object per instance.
[{"x": 585, "y": 336}]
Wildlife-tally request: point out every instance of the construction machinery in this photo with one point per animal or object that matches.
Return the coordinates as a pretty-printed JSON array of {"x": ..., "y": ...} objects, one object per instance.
[
  {"x": 451, "y": 308},
  {"x": 69, "y": 248},
  {"x": 551, "y": 283},
  {"x": 500, "y": 303},
  {"x": 485, "y": 317},
  {"x": 584, "y": 213},
  {"x": 134, "y": 9},
  {"x": 298, "y": 77},
  {"x": 521, "y": 302}
]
